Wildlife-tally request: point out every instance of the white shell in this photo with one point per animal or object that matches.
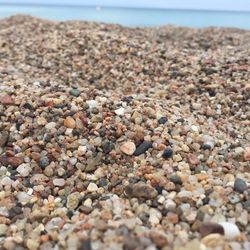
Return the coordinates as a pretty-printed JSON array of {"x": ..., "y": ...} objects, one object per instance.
[{"x": 231, "y": 230}]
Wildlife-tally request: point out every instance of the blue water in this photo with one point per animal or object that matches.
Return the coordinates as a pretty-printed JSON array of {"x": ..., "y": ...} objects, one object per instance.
[{"x": 133, "y": 17}]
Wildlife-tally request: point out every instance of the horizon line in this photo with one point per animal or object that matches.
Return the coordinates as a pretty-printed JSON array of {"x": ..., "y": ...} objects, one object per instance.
[{"x": 121, "y": 7}]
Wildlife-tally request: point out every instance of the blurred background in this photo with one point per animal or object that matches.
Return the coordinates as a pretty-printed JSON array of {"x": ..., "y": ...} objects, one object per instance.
[{"x": 133, "y": 13}]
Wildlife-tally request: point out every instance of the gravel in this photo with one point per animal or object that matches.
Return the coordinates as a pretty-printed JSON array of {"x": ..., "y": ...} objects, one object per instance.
[{"x": 120, "y": 138}]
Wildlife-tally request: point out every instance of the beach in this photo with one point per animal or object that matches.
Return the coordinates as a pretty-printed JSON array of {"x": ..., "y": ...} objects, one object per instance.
[{"x": 123, "y": 138}]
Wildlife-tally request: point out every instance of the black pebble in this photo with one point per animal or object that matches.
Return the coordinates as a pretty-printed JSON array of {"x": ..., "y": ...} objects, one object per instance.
[
  {"x": 159, "y": 189},
  {"x": 107, "y": 147},
  {"x": 206, "y": 146},
  {"x": 162, "y": 120},
  {"x": 43, "y": 162},
  {"x": 28, "y": 106},
  {"x": 142, "y": 148},
  {"x": 168, "y": 152},
  {"x": 70, "y": 214}
]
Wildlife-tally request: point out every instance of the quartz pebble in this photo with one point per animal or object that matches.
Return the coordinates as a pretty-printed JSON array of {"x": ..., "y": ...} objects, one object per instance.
[
  {"x": 128, "y": 148},
  {"x": 92, "y": 187},
  {"x": 24, "y": 169},
  {"x": 59, "y": 182}
]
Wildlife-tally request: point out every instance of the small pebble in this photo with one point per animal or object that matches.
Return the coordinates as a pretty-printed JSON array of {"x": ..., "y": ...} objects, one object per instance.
[
  {"x": 75, "y": 92},
  {"x": 59, "y": 182},
  {"x": 240, "y": 185},
  {"x": 142, "y": 148},
  {"x": 43, "y": 162},
  {"x": 24, "y": 169},
  {"x": 92, "y": 187},
  {"x": 69, "y": 122},
  {"x": 141, "y": 190},
  {"x": 162, "y": 120},
  {"x": 128, "y": 148},
  {"x": 4, "y": 136},
  {"x": 73, "y": 200},
  {"x": 168, "y": 152}
]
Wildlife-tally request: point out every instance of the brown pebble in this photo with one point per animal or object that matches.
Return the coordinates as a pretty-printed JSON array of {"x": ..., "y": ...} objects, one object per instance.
[
  {"x": 158, "y": 238},
  {"x": 210, "y": 228},
  {"x": 6, "y": 99},
  {"x": 247, "y": 154},
  {"x": 172, "y": 218},
  {"x": 69, "y": 122}
]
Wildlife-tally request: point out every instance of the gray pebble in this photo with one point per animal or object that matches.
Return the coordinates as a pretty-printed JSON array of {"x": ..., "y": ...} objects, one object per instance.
[{"x": 240, "y": 185}]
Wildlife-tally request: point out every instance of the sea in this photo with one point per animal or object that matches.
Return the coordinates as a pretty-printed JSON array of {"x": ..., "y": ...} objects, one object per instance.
[{"x": 133, "y": 17}]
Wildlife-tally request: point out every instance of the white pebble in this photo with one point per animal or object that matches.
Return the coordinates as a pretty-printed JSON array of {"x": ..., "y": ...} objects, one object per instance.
[
  {"x": 88, "y": 202},
  {"x": 6, "y": 181},
  {"x": 82, "y": 150},
  {"x": 120, "y": 111},
  {"x": 50, "y": 125},
  {"x": 92, "y": 187},
  {"x": 91, "y": 103},
  {"x": 231, "y": 230},
  {"x": 59, "y": 182},
  {"x": 23, "y": 197},
  {"x": 24, "y": 169}
]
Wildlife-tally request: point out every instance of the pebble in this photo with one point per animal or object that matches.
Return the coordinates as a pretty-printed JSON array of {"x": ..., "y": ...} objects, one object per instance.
[
  {"x": 128, "y": 148},
  {"x": 4, "y": 136},
  {"x": 73, "y": 200},
  {"x": 24, "y": 169},
  {"x": 240, "y": 185},
  {"x": 208, "y": 142},
  {"x": 6, "y": 99},
  {"x": 32, "y": 244},
  {"x": 120, "y": 111},
  {"x": 141, "y": 190},
  {"x": 92, "y": 103},
  {"x": 231, "y": 230},
  {"x": 82, "y": 150},
  {"x": 168, "y": 152},
  {"x": 247, "y": 154},
  {"x": 92, "y": 187},
  {"x": 211, "y": 228},
  {"x": 15, "y": 161},
  {"x": 75, "y": 92},
  {"x": 23, "y": 197},
  {"x": 3, "y": 229},
  {"x": 142, "y": 148},
  {"x": 6, "y": 181},
  {"x": 69, "y": 122},
  {"x": 50, "y": 125},
  {"x": 163, "y": 120},
  {"x": 43, "y": 162},
  {"x": 59, "y": 182}
]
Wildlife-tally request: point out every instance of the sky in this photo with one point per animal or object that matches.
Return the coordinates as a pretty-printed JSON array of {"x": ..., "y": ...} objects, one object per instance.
[{"x": 237, "y": 5}]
